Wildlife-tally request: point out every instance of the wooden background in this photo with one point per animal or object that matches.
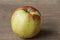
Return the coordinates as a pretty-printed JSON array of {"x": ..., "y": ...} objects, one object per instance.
[{"x": 50, "y": 11}]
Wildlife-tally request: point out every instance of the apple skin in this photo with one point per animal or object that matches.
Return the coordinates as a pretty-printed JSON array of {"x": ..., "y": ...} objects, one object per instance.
[{"x": 26, "y": 22}]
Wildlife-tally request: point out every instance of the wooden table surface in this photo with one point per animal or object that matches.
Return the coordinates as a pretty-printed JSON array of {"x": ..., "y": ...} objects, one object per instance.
[{"x": 50, "y": 11}]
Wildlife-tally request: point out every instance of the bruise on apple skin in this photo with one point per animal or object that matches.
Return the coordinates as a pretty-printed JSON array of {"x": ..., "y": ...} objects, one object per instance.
[
  {"x": 36, "y": 17},
  {"x": 28, "y": 9},
  {"x": 31, "y": 8}
]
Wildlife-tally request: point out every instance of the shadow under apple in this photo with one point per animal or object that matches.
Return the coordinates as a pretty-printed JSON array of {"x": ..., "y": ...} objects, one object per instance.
[{"x": 43, "y": 33}]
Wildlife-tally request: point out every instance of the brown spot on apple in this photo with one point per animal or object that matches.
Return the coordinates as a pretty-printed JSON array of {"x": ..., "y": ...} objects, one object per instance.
[
  {"x": 29, "y": 8},
  {"x": 36, "y": 17}
]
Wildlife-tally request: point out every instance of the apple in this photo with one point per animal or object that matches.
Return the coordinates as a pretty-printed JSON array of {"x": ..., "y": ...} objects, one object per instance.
[{"x": 26, "y": 22}]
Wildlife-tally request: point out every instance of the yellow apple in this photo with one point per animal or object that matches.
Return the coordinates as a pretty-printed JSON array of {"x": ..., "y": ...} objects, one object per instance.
[{"x": 26, "y": 22}]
